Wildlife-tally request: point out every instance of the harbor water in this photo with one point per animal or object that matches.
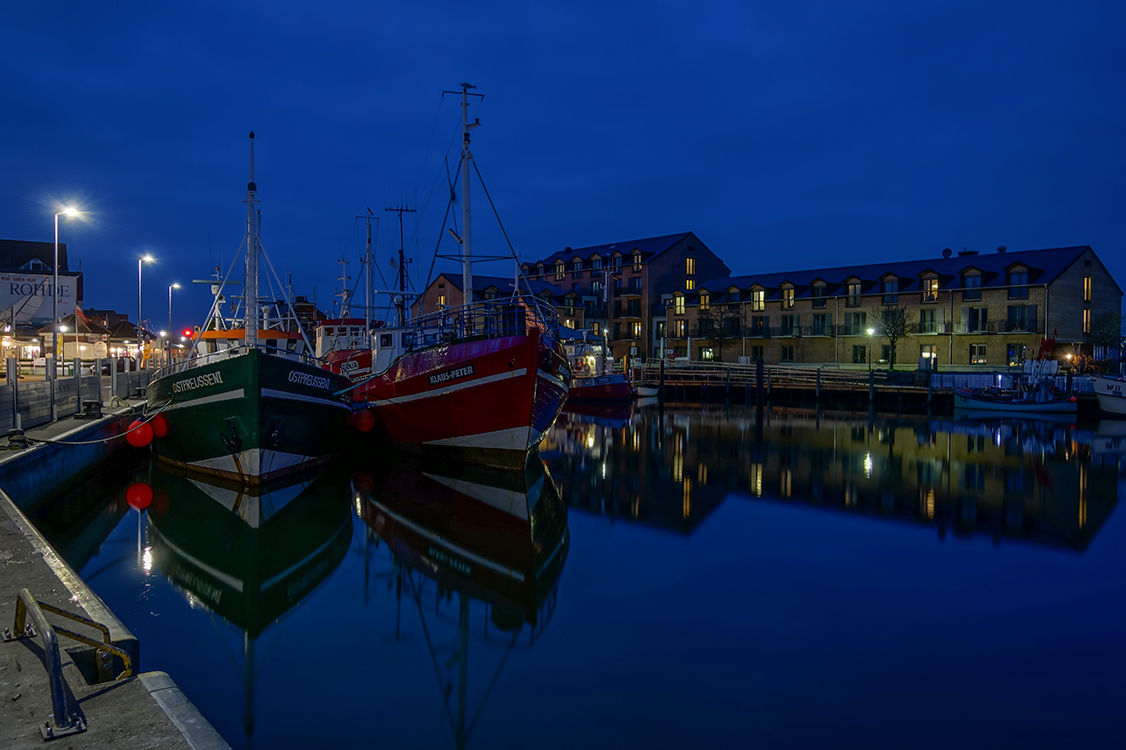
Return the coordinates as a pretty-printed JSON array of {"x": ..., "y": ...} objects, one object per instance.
[{"x": 689, "y": 577}]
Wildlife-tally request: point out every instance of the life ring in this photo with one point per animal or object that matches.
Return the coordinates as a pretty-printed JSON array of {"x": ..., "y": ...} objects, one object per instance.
[{"x": 578, "y": 364}]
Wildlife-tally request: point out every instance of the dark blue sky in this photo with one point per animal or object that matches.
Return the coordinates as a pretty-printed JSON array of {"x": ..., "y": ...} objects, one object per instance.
[{"x": 786, "y": 135}]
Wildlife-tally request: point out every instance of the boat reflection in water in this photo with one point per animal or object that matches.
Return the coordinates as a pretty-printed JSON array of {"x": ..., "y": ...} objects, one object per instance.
[
  {"x": 465, "y": 540},
  {"x": 1039, "y": 481},
  {"x": 248, "y": 554}
]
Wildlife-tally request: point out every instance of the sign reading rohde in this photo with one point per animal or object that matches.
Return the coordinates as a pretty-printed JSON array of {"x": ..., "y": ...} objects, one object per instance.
[{"x": 26, "y": 298}]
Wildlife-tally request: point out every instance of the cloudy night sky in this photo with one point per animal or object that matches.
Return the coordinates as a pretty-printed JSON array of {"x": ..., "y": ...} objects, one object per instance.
[{"x": 784, "y": 134}]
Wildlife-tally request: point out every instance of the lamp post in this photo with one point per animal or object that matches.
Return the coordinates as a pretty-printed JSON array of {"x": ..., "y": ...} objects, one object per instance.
[
  {"x": 140, "y": 336},
  {"x": 163, "y": 350},
  {"x": 173, "y": 285},
  {"x": 67, "y": 211},
  {"x": 870, "y": 332}
]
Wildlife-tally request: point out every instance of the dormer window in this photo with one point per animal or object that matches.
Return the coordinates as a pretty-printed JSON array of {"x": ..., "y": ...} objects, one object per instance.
[
  {"x": 596, "y": 264},
  {"x": 758, "y": 300},
  {"x": 637, "y": 261},
  {"x": 36, "y": 265},
  {"x": 891, "y": 291},
  {"x": 853, "y": 294},
  {"x": 818, "y": 293},
  {"x": 705, "y": 301},
  {"x": 1018, "y": 280},
  {"x": 678, "y": 304},
  {"x": 577, "y": 269},
  {"x": 560, "y": 271},
  {"x": 971, "y": 285},
  {"x": 617, "y": 262},
  {"x": 930, "y": 290},
  {"x": 787, "y": 297}
]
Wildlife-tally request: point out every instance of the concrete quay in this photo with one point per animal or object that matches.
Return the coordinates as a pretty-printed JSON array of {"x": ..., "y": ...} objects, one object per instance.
[{"x": 141, "y": 711}]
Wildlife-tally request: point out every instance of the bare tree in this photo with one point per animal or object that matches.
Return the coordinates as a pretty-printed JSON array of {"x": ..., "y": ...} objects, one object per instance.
[
  {"x": 894, "y": 323},
  {"x": 1106, "y": 332},
  {"x": 720, "y": 324}
]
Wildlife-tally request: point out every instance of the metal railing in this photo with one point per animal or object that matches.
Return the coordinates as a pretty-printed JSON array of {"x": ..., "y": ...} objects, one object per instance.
[
  {"x": 62, "y": 721},
  {"x": 490, "y": 319}
]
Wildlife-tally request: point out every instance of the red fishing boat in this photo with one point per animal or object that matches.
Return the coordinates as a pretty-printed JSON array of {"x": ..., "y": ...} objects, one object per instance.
[{"x": 482, "y": 382}]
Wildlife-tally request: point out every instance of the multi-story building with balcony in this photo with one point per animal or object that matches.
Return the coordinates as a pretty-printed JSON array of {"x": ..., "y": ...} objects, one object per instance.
[
  {"x": 623, "y": 288},
  {"x": 963, "y": 309},
  {"x": 445, "y": 292}
]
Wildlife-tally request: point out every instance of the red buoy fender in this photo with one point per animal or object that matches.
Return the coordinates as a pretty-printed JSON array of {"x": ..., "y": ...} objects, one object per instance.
[
  {"x": 364, "y": 420},
  {"x": 138, "y": 496},
  {"x": 159, "y": 425},
  {"x": 140, "y": 434}
]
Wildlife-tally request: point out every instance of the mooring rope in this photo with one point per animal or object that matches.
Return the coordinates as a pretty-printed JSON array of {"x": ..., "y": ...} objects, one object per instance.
[{"x": 144, "y": 421}]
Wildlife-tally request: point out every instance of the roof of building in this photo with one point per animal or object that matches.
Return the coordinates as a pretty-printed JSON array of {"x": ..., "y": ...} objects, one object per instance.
[
  {"x": 649, "y": 247},
  {"x": 14, "y": 254},
  {"x": 1044, "y": 266}
]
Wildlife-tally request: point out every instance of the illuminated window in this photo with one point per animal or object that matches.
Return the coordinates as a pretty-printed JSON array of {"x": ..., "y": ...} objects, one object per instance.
[
  {"x": 853, "y": 294},
  {"x": 978, "y": 355},
  {"x": 441, "y": 301},
  {"x": 569, "y": 323},
  {"x": 559, "y": 271},
  {"x": 678, "y": 304},
  {"x": 596, "y": 328},
  {"x": 788, "y": 297},
  {"x": 690, "y": 284},
  {"x": 680, "y": 327},
  {"x": 637, "y": 261},
  {"x": 705, "y": 301},
  {"x": 637, "y": 330},
  {"x": 706, "y": 354},
  {"x": 1086, "y": 321},
  {"x": 1086, "y": 288},
  {"x": 758, "y": 300},
  {"x": 691, "y": 266},
  {"x": 930, "y": 290}
]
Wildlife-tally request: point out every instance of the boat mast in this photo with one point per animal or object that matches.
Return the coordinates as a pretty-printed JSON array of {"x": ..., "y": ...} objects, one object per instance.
[
  {"x": 368, "y": 281},
  {"x": 466, "y": 157},
  {"x": 250, "y": 295}
]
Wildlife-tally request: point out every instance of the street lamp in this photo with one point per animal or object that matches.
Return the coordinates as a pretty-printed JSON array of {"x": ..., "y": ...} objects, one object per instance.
[
  {"x": 66, "y": 211},
  {"x": 173, "y": 285},
  {"x": 870, "y": 332},
  {"x": 140, "y": 336}
]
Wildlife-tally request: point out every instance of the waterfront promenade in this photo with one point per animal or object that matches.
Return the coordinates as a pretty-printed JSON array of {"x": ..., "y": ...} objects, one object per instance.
[{"x": 142, "y": 710}]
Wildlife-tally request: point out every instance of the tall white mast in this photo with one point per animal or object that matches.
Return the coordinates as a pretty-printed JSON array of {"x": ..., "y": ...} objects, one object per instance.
[
  {"x": 250, "y": 312},
  {"x": 466, "y": 157}
]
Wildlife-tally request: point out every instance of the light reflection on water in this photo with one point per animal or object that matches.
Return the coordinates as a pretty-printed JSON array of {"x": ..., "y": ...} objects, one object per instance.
[{"x": 686, "y": 578}]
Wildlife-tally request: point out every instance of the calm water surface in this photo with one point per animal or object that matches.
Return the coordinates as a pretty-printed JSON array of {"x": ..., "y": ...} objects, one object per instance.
[{"x": 691, "y": 579}]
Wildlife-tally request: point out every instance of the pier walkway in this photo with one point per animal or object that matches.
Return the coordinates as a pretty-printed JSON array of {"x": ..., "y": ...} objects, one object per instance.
[{"x": 144, "y": 710}]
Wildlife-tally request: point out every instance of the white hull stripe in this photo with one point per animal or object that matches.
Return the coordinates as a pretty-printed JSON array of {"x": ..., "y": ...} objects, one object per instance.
[
  {"x": 513, "y": 439},
  {"x": 507, "y": 501},
  {"x": 228, "y": 396},
  {"x": 460, "y": 551},
  {"x": 271, "y": 393},
  {"x": 254, "y": 462},
  {"x": 453, "y": 388}
]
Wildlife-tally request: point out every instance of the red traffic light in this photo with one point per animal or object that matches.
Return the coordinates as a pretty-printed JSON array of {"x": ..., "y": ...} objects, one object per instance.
[{"x": 188, "y": 333}]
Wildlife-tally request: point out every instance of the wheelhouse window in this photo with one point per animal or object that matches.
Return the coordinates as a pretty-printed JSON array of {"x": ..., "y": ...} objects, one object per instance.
[{"x": 758, "y": 300}]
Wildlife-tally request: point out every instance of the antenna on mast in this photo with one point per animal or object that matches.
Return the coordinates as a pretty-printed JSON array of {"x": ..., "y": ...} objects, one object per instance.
[{"x": 400, "y": 300}]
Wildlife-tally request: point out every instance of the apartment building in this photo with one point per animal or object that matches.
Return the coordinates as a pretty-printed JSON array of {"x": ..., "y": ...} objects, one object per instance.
[
  {"x": 623, "y": 288},
  {"x": 961, "y": 309}
]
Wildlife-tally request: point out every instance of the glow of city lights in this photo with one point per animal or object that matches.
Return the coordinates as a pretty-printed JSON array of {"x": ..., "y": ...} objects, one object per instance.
[{"x": 868, "y": 465}]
